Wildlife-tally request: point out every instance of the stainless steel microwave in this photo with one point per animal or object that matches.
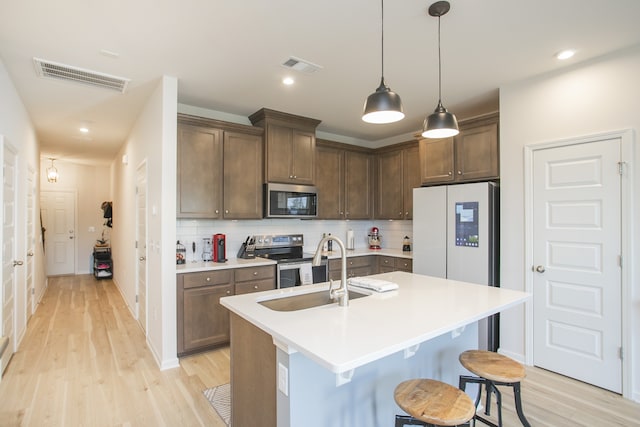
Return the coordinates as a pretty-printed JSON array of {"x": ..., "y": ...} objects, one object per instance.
[{"x": 290, "y": 201}]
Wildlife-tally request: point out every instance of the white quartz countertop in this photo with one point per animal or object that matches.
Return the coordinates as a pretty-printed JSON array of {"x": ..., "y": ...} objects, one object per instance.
[
  {"x": 398, "y": 253},
  {"x": 194, "y": 267},
  {"x": 344, "y": 338}
]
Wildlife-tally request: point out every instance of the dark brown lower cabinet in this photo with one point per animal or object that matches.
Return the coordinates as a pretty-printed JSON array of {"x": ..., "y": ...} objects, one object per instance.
[
  {"x": 206, "y": 322},
  {"x": 203, "y": 323}
]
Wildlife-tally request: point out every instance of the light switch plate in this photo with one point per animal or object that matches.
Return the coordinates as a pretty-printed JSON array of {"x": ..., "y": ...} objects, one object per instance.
[{"x": 283, "y": 379}]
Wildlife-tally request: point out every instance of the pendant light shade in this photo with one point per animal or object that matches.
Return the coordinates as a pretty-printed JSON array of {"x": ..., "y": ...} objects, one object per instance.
[
  {"x": 52, "y": 172},
  {"x": 440, "y": 124},
  {"x": 383, "y": 106}
]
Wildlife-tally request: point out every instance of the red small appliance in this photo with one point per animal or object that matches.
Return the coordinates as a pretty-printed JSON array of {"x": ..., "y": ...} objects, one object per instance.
[{"x": 219, "y": 248}]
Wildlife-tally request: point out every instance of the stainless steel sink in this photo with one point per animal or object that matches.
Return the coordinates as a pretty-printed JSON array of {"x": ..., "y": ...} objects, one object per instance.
[{"x": 303, "y": 301}]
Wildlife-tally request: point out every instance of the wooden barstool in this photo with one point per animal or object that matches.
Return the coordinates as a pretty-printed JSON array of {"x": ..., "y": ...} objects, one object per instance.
[
  {"x": 431, "y": 402},
  {"x": 493, "y": 369}
]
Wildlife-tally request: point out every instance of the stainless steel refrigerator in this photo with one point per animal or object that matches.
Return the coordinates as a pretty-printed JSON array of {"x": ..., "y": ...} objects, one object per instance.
[{"x": 456, "y": 236}]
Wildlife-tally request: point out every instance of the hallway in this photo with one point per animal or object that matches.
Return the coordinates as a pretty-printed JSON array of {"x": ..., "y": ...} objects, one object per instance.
[{"x": 84, "y": 361}]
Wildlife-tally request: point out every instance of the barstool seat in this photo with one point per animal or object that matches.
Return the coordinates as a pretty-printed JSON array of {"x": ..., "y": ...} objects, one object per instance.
[
  {"x": 432, "y": 402},
  {"x": 494, "y": 369},
  {"x": 492, "y": 366}
]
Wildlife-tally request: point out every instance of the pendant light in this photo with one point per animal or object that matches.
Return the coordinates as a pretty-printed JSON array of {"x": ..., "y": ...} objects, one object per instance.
[
  {"x": 52, "y": 172},
  {"x": 440, "y": 124},
  {"x": 383, "y": 106}
]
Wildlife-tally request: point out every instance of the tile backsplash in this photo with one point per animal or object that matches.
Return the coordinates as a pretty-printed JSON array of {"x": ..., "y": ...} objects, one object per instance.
[{"x": 194, "y": 230}]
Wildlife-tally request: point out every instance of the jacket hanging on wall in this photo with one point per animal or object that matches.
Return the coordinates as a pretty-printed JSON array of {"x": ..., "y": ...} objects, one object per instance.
[{"x": 107, "y": 208}]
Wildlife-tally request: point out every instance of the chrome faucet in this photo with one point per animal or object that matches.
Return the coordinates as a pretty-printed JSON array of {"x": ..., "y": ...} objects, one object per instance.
[{"x": 342, "y": 293}]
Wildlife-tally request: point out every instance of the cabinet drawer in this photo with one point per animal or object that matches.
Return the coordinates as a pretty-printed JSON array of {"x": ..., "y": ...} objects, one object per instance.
[
  {"x": 360, "y": 271},
  {"x": 255, "y": 273},
  {"x": 360, "y": 261},
  {"x": 385, "y": 262},
  {"x": 257, "y": 286},
  {"x": 206, "y": 278},
  {"x": 404, "y": 264}
]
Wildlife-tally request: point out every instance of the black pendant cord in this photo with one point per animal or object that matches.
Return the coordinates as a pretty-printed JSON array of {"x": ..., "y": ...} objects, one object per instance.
[
  {"x": 382, "y": 41},
  {"x": 439, "y": 67}
]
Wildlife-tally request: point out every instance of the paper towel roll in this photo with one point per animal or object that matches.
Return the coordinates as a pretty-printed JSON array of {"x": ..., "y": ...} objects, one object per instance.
[{"x": 350, "y": 239}]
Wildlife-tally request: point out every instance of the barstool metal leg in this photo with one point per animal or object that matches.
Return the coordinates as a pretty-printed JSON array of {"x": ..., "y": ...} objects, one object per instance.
[{"x": 518, "y": 398}]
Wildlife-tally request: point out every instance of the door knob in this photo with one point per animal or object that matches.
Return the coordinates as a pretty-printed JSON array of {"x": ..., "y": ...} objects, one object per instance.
[
  {"x": 17, "y": 263},
  {"x": 70, "y": 237},
  {"x": 540, "y": 269}
]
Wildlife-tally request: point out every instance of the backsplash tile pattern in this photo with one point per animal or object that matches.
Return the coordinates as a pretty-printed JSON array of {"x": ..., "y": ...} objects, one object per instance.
[{"x": 194, "y": 230}]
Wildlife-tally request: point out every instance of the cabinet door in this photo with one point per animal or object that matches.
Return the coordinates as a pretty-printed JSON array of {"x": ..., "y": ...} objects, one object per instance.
[
  {"x": 411, "y": 180},
  {"x": 206, "y": 322},
  {"x": 242, "y": 176},
  {"x": 278, "y": 153},
  {"x": 303, "y": 146},
  {"x": 436, "y": 160},
  {"x": 330, "y": 182},
  {"x": 390, "y": 190},
  {"x": 358, "y": 179},
  {"x": 199, "y": 172},
  {"x": 477, "y": 153}
]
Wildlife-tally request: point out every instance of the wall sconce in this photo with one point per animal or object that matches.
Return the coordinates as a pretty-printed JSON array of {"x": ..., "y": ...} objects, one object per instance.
[{"x": 52, "y": 172}]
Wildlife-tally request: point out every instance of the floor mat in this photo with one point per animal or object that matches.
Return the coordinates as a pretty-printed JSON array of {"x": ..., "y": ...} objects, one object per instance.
[{"x": 220, "y": 399}]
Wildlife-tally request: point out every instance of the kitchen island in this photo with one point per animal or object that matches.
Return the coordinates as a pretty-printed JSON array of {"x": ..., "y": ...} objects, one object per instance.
[{"x": 338, "y": 366}]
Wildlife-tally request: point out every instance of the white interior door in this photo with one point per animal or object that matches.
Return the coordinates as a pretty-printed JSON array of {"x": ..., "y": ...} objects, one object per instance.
[
  {"x": 9, "y": 252},
  {"x": 58, "y": 217},
  {"x": 141, "y": 243},
  {"x": 576, "y": 248},
  {"x": 31, "y": 242}
]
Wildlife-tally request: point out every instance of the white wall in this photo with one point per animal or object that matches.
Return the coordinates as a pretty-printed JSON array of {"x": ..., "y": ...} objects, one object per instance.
[
  {"x": 92, "y": 186},
  {"x": 592, "y": 98},
  {"x": 152, "y": 141},
  {"x": 17, "y": 130}
]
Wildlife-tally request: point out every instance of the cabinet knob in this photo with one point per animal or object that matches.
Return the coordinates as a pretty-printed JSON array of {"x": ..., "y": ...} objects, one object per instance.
[
  {"x": 142, "y": 258},
  {"x": 295, "y": 177},
  {"x": 208, "y": 279},
  {"x": 255, "y": 286},
  {"x": 459, "y": 172},
  {"x": 341, "y": 213},
  {"x": 350, "y": 262},
  {"x": 450, "y": 173},
  {"x": 15, "y": 262},
  {"x": 290, "y": 176},
  {"x": 255, "y": 273},
  {"x": 406, "y": 213},
  {"x": 217, "y": 211},
  {"x": 228, "y": 292},
  {"x": 226, "y": 211},
  {"x": 30, "y": 253}
]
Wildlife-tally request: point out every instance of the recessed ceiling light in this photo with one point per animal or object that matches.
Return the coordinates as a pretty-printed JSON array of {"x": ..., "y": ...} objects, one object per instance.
[
  {"x": 565, "y": 54},
  {"x": 288, "y": 81},
  {"x": 84, "y": 130}
]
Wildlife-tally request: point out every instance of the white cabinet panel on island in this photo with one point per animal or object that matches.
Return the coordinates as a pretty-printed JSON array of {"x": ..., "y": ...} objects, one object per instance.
[{"x": 343, "y": 363}]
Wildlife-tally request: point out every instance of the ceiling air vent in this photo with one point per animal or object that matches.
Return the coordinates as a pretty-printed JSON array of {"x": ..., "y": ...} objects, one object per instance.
[
  {"x": 301, "y": 65},
  {"x": 54, "y": 70}
]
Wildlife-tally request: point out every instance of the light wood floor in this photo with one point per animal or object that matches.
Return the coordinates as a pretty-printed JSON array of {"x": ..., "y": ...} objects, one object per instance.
[{"x": 84, "y": 361}]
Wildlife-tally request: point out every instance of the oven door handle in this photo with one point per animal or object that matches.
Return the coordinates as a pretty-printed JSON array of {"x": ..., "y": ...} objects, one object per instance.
[{"x": 291, "y": 265}]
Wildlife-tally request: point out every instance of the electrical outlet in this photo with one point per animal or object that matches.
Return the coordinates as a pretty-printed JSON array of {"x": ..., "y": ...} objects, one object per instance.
[{"x": 283, "y": 379}]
